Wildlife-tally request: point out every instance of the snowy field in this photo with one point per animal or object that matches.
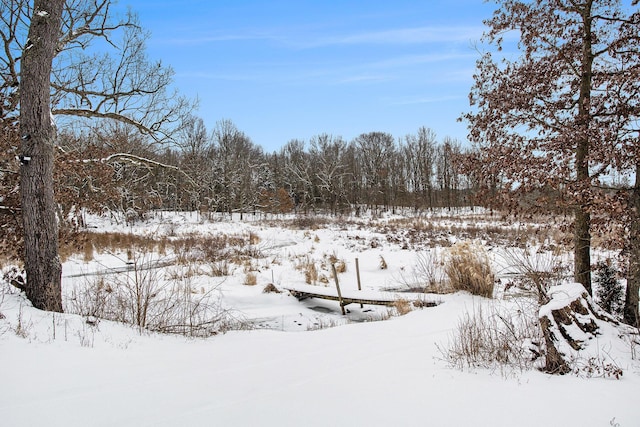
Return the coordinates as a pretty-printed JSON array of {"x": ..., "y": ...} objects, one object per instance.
[{"x": 284, "y": 362}]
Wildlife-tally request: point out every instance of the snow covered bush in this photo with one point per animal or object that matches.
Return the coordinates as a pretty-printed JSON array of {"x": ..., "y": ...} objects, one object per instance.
[{"x": 468, "y": 268}]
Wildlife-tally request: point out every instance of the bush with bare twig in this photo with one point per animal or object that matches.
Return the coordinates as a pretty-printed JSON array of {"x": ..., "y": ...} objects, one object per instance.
[
  {"x": 140, "y": 297},
  {"x": 500, "y": 338}
]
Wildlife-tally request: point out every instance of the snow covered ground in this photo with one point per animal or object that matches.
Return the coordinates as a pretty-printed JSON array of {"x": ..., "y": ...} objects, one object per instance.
[{"x": 302, "y": 364}]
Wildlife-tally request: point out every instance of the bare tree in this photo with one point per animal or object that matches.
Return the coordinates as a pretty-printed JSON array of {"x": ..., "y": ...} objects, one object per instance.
[
  {"x": 119, "y": 84},
  {"x": 448, "y": 171},
  {"x": 196, "y": 149},
  {"x": 419, "y": 154},
  {"x": 237, "y": 166},
  {"x": 375, "y": 150},
  {"x": 123, "y": 87},
  {"x": 327, "y": 154},
  {"x": 299, "y": 174}
]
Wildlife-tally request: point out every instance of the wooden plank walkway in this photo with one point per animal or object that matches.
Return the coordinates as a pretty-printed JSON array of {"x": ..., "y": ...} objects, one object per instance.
[
  {"x": 344, "y": 300},
  {"x": 361, "y": 297}
]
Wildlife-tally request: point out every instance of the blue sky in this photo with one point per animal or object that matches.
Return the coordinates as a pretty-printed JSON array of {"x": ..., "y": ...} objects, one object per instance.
[{"x": 292, "y": 69}]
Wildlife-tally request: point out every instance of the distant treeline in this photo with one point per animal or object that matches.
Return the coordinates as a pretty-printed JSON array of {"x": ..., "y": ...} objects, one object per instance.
[{"x": 224, "y": 171}]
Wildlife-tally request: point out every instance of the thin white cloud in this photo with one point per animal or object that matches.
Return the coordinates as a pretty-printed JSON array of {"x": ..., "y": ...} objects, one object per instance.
[
  {"x": 195, "y": 40},
  {"x": 415, "y": 35},
  {"x": 217, "y": 76},
  {"x": 402, "y": 36},
  {"x": 303, "y": 40},
  {"x": 429, "y": 58},
  {"x": 364, "y": 78},
  {"x": 426, "y": 100}
]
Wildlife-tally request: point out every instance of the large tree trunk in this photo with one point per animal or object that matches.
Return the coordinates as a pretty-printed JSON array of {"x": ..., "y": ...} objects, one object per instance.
[
  {"x": 42, "y": 263},
  {"x": 582, "y": 225},
  {"x": 633, "y": 276},
  {"x": 582, "y": 249}
]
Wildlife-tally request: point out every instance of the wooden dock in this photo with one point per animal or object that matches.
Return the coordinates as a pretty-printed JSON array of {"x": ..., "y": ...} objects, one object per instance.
[
  {"x": 343, "y": 300},
  {"x": 361, "y": 297}
]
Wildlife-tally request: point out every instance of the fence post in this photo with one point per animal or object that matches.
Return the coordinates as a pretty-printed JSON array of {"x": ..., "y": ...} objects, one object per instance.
[
  {"x": 358, "y": 276},
  {"x": 335, "y": 276}
]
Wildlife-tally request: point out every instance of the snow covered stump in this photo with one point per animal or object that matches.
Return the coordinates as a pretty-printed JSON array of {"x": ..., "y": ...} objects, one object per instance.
[{"x": 569, "y": 320}]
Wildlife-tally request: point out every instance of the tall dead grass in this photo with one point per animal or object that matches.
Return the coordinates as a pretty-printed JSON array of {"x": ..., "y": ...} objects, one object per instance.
[
  {"x": 307, "y": 266},
  {"x": 468, "y": 268},
  {"x": 219, "y": 251}
]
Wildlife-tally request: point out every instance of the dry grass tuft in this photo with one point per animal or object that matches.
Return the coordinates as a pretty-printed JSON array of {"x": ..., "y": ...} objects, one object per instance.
[
  {"x": 402, "y": 306},
  {"x": 383, "y": 263},
  {"x": 87, "y": 252},
  {"x": 339, "y": 264},
  {"x": 221, "y": 268},
  {"x": 271, "y": 289},
  {"x": 305, "y": 222},
  {"x": 162, "y": 246},
  {"x": 309, "y": 269},
  {"x": 144, "y": 299},
  {"x": 429, "y": 273},
  {"x": 254, "y": 239},
  {"x": 310, "y": 274},
  {"x": 250, "y": 279},
  {"x": 468, "y": 268}
]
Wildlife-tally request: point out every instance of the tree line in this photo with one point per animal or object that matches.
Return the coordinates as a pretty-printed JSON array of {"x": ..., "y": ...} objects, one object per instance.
[{"x": 224, "y": 171}]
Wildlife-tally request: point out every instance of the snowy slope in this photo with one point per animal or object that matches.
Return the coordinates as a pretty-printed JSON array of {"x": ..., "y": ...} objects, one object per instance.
[{"x": 60, "y": 371}]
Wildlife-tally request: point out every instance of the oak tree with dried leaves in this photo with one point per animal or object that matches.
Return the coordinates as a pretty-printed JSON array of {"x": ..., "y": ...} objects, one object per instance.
[{"x": 562, "y": 116}]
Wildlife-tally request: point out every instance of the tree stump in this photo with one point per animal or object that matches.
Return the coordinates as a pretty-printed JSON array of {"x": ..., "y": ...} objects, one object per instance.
[{"x": 569, "y": 320}]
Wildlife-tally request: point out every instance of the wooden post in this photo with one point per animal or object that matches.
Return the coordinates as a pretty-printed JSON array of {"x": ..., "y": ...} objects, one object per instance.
[
  {"x": 358, "y": 276},
  {"x": 335, "y": 276}
]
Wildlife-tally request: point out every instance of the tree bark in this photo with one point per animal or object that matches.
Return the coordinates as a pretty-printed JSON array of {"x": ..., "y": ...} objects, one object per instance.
[
  {"x": 630, "y": 313},
  {"x": 582, "y": 233},
  {"x": 42, "y": 264},
  {"x": 582, "y": 248},
  {"x": 554, "y": 363}
]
